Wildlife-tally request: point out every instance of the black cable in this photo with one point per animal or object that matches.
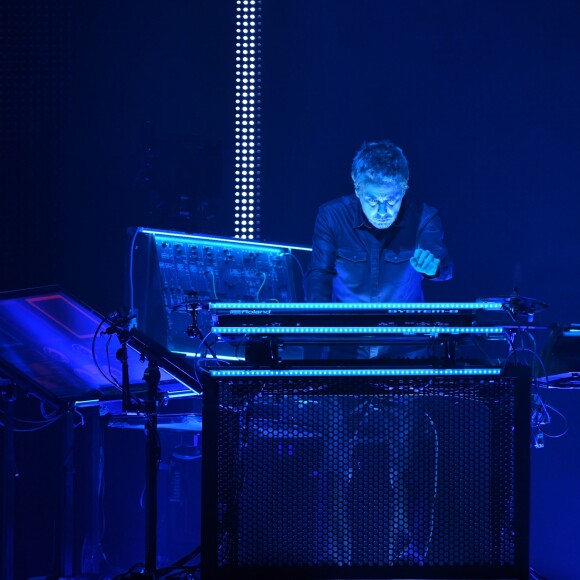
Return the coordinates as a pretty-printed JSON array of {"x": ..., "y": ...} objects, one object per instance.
[
  {"x": 181, "y": 563},
  {"x": 110, "y": 380}
]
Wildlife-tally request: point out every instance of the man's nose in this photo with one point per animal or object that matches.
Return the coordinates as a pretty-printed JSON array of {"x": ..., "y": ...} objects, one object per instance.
[{"x": 384, "y": 208}]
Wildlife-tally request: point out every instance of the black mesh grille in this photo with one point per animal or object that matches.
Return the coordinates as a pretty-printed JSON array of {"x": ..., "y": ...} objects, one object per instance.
[{"x": 396, "y": 474}]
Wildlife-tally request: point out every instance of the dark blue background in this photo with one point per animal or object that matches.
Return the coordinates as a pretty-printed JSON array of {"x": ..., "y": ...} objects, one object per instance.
[
  {"x": 113, "y": 110},
  {"x": 481, "y": 95}
]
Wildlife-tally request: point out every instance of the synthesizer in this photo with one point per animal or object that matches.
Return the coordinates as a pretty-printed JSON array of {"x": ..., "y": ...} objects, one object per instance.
[
  {"x": 266, "y": 332},
  {"x": 352, "y": 318},
  {"x": 172, "y": 271}
]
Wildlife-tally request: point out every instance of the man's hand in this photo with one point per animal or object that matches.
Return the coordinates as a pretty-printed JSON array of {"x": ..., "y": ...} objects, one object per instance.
[{"x": 425, "y": 262}]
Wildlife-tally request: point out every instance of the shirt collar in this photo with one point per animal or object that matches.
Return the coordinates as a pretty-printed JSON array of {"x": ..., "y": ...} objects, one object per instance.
[{"x": 360, "y": 219}]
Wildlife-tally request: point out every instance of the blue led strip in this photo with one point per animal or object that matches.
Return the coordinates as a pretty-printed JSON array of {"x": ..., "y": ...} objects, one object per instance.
[
  {"x": 572, "y": 332},
  {"x": 353, "y": 372},
  {"x": 357, "y": 330},
  {"x": 302, "y": 306},
  {"x": 209, "y": 240},
  {"x": 205, "y": 357}
]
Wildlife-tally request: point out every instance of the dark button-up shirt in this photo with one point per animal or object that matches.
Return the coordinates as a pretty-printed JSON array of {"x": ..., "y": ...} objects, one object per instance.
[{"x": 352, "y": 261}]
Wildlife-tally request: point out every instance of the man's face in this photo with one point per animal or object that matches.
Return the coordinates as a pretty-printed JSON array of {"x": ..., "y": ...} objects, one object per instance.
[{"x": 381, "y": 202}]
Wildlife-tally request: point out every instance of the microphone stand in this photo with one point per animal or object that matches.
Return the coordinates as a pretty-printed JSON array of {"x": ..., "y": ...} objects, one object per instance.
[
  {"x": 8, "y": 400},
  {"x": 152, "y": 376}
]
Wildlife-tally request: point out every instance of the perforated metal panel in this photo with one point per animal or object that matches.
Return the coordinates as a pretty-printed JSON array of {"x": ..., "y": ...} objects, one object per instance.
[{"x": 354, "y": 477}]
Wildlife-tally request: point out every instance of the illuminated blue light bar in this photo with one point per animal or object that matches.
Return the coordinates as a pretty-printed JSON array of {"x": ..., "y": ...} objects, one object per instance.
[
  {"x": 189, "y": 354},
  {"x": 184, "y": 394},
  {"x": 221, "y": 241},
  {"x": 301, "y": 306},
  {"x": 358, "y": 330},
  {"x": 353, "y": 372},
  {"x": 87, "y": 403},
  {"x": 572, "y": 332},
  {"x": 177, "y": 394}
]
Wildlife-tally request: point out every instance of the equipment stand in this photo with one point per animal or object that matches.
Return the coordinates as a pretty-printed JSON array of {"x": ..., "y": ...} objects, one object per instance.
[
  {"x": 8, "y": 475},
  {"x": 152, "y": 377}
]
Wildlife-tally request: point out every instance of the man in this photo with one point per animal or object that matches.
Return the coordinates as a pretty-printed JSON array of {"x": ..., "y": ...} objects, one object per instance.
[{"x": 376, "y": 245}]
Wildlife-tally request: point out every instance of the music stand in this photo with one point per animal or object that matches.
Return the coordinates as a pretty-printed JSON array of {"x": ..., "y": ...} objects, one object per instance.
[{"x": 61, "y": 351}]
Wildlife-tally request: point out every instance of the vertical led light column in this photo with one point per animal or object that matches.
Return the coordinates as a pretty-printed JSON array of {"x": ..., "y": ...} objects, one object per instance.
[{"x": 247, "y": 157}]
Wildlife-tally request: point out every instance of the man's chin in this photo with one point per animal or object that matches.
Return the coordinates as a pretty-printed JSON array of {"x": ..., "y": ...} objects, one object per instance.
[{"x": 381, "y": 225}]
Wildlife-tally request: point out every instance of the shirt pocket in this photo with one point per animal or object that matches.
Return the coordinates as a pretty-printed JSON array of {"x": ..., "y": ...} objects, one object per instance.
[
  {"x": 352, "y": 268},
  {"x": 397, "y": 256},
  {"x": 353, "y": 256}
]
